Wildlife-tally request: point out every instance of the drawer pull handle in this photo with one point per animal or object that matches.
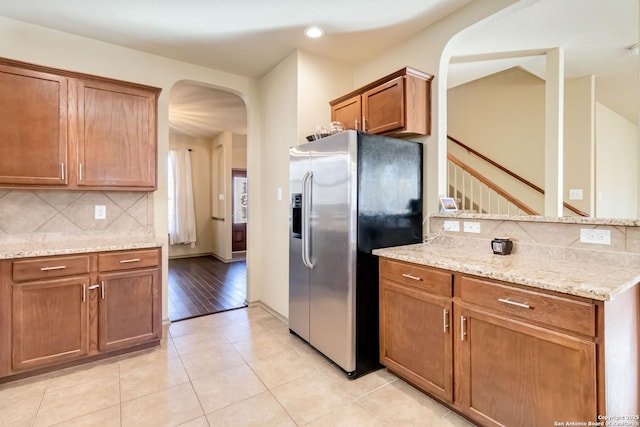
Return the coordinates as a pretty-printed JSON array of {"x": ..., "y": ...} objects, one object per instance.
[
  {"x": 463, "y": 327},
  {"x": 409, "y": 276},
  {"x": 96, "y": 286},
  {"x": 445, "y": 320},
  {"x": 517, "y": 304},
  {"x": 56, "y": 267},
  {"x": 124, "y": 261}
]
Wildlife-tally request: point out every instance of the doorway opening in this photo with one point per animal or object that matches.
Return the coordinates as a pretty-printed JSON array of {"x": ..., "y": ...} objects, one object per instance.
[{"x": 207, "y": 271}]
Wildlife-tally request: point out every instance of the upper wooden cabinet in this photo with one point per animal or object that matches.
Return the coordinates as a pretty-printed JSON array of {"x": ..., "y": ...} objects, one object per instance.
[
  {"x": 397, "y": 104},
  {"x": 33, "y": 127},
  {"x": 60, "y": 129},
  {"x": 116, "y": 136}
]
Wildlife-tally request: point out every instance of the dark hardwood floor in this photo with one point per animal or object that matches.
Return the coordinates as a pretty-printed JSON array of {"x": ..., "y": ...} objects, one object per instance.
[{"x": 205, "y": 285}]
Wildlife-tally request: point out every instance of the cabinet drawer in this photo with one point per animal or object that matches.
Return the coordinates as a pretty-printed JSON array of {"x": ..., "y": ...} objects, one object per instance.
[
  {"x": 46, "y": 268},
  {"x": 434, "y": 281},
  {"x": 553, "y": 310},
  {"x": 127, "y": 260}
]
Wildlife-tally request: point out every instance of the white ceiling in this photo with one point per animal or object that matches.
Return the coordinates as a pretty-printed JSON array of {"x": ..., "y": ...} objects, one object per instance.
[
  {"x": 249, "y": 37},
  {"x": 245, "y": 37}
]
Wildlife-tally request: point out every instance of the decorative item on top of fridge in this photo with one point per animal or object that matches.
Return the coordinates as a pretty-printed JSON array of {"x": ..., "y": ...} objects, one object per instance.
[{"x": 323, "y": 131}]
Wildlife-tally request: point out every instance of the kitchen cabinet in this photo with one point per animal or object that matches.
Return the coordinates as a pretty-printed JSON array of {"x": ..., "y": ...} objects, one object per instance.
[
  {"x": 129, "y": 304},
  {"x": 416, "y": 339},
  {"x": 520, "y": 355},
  {"x": 75, "y": 308},
  {"x": 116, "y": 136},
  {"x": 74, "y": 131},
  {"x": 348, "y": 112},
  {"x": 50, "y": 315},
  {"x": 33, "y": 127},
  {"x": 397, "y": 104},
  {"x": 512, "y": 373}
]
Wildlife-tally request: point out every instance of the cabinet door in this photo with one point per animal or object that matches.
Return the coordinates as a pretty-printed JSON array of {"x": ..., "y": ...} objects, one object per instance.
[
  {"x": 116, "y": 134},
  {"x": 416, "y": 339},
  {"x": 50, "y": 321},
  {"x": 513, "y": 374},
  {"x": 384, "y": 107},
  {"x": 33, "y": 127},
  {"x": 129, "y": 309},
  {"x": 348, "y": 112}
]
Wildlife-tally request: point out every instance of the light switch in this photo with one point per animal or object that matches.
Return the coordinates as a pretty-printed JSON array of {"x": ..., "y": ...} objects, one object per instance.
[
  {"x": 101, "y": 212},
  {"x": 279, "y": 194}
]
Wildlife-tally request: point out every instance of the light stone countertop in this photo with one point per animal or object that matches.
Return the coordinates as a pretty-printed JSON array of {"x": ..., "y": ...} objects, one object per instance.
[
  {"x": 597, "y": 280},
  {"x": 50, "y": 248},
  {"x": 631, "y": 222}
]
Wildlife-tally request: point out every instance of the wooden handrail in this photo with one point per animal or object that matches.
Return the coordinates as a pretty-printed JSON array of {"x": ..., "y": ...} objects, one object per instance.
[
  {"x": 486, "y": 181},
  {"x": 514, "y": 175}
]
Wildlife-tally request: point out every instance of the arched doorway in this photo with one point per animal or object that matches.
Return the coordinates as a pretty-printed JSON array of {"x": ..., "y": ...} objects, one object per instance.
[{"x": 208, "y": 126}]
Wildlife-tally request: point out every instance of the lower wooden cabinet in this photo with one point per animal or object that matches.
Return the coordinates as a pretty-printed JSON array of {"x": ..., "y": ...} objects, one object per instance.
[
  {"x": 416, "y": 338},
  {"x": 514, "y": 374},
  {"x": 50, "y": 322},
  {"x": 128, "y": 309},
  {"x": 57, "y": 319},
  {"x": 508, "y": 355}
]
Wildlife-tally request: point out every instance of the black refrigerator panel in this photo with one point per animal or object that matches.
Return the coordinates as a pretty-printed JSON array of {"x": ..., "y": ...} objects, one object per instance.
[{"x": 389, "y": 192}]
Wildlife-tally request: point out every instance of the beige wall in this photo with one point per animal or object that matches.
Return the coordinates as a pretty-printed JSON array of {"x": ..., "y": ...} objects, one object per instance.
[
  {"x": 502, "y": 117},
  {"x": 579, "y": 141},
  {"x": 278, "y": 95},
  {"x": 201, "y": 178},
  {"x": 38, "y": 45},
  {"x": 616, "y": 165},
  {"x": 221, "y": 161}
]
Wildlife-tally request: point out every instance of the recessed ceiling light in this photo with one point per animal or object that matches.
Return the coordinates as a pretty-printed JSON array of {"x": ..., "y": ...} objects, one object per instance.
[{"x": 314, "y": 32}]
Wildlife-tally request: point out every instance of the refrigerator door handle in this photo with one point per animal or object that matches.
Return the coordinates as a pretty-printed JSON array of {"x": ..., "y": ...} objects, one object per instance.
[{"x": 306, "y": 223}]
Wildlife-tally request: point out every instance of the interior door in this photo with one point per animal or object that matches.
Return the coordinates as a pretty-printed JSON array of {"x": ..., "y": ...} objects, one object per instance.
[{"x": 239, "y": 210}]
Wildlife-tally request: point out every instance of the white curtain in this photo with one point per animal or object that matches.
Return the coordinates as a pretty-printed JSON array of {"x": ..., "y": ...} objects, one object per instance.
[{"x": 182, "y": 224}]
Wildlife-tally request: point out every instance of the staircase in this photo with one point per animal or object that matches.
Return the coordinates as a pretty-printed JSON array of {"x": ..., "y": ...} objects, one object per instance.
[{"x": 474, "y": 192}]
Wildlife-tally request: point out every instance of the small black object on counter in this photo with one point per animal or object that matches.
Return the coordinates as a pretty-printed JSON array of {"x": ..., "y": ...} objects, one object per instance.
[{"x": 501, "y": 246}]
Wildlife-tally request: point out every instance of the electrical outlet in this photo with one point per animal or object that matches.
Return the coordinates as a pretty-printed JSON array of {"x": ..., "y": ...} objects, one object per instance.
[
  {"x": 452, "y": 226},
  {"x": 101, "y": 212},
  {"x": 471, "y": 227},
  {"x": 575, "y": 194},
  {"x": 592, "y": 235}
]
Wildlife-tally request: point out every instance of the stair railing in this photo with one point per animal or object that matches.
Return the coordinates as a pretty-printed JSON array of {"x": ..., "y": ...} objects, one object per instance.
[{"x": 506, "y": 198}]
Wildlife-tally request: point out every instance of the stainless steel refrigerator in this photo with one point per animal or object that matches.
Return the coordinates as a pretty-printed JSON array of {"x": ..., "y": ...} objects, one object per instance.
[{"x": 350, "y": 193}]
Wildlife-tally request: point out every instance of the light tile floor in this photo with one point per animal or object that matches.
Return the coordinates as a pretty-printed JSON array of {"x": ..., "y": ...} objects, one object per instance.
[{"x": 236, "y": 368}]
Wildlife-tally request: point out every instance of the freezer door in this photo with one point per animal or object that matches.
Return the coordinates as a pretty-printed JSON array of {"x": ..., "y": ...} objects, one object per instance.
[
  {"x": 333, "y": 248},
  {"x": 299, "y": 274}
]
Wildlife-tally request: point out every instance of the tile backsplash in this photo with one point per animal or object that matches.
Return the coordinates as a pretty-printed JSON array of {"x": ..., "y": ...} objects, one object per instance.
[
  {"x": 531, "y": 231},
  {"x": 49, "y": 215}
]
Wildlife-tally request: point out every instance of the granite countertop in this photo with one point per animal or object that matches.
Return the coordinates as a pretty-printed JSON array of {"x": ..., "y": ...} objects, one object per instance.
[
  {"x": 66, "y": 247},
  {"x": 603, "y": 280}
]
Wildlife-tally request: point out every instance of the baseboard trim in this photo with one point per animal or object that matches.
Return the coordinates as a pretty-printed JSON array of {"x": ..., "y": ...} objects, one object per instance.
[{"x": 269, "y": 309}]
